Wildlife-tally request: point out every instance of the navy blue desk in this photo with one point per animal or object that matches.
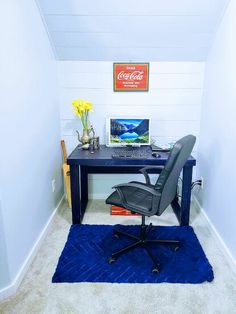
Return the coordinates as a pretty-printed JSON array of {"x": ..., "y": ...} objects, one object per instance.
[{"x": 83, "y": 162}]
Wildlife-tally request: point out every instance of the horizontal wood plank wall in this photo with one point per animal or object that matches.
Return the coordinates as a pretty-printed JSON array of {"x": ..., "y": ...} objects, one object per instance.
[{"x": 173, "y": 103}]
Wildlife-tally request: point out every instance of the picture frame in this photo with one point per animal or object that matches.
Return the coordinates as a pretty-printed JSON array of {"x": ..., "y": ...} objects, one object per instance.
[{"x": 131, "y": 77}]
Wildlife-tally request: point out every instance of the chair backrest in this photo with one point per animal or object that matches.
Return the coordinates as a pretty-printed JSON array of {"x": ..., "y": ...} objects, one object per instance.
[{"x": 168, "y": 178}]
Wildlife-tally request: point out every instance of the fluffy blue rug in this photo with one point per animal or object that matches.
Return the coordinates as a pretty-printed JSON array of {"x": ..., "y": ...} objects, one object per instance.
[{"x": 85, "y": 257}]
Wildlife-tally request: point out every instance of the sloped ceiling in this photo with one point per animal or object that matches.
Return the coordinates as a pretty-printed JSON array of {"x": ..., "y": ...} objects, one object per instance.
[{"x": 131, "y": 30}]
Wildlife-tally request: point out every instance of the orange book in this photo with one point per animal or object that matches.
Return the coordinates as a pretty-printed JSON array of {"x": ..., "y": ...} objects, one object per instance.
[{"x": 116, "y": 210}]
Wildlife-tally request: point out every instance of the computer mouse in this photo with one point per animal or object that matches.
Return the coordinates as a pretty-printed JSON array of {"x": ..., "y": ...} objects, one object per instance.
[{"x": 156, "y": 155}]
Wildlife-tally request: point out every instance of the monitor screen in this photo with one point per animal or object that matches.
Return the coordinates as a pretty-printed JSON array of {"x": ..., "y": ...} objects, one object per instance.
[{"x": 128, "y": 131}]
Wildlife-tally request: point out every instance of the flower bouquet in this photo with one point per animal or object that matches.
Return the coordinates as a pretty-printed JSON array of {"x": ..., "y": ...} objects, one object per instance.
[{"x": 81, "y": 108}]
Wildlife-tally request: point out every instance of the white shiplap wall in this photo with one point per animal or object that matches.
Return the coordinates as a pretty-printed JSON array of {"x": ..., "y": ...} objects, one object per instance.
[{"x": 173, "y": 103}]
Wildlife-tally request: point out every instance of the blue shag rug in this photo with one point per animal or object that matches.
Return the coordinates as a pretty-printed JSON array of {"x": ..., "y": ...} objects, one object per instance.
[{"x": 88, "y": 247}]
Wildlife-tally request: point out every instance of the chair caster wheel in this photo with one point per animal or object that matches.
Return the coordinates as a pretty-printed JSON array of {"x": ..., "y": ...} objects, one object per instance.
[
  {"x": 111, "y": 260},
  {"x": 156, "y": 270}
]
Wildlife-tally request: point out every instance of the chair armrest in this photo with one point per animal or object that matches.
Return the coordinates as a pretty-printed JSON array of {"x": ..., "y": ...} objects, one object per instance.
[{"x": 145, "y": 173}]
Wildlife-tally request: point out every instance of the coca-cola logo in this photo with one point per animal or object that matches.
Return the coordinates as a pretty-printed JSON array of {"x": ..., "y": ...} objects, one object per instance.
[{"x": 130, "y": 76}]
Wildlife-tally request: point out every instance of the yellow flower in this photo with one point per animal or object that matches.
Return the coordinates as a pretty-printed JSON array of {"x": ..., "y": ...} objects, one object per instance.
[
  {"x": 77, "y": 103},
  {"x": 88, "y": 106},
  {"x": 81, "y": 108},
  {"x": 78, "y": 112}
]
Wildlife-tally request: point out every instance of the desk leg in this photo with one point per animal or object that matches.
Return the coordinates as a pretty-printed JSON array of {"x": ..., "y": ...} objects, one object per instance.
[
  {"x": 186, "y": 195},
  {"x": 182, "y": 211},
  {"x": 84, "y": 189},
  {"x": 75, "y": 193}
]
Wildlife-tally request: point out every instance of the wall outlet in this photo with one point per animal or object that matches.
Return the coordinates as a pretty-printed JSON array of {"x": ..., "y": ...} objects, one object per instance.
[
  {"x": 202, "y": 183},
  {"x": 53, "y": 185}
]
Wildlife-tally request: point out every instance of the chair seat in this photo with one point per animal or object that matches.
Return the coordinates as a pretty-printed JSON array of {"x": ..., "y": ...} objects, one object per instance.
[{"x": 133, "y": 197}]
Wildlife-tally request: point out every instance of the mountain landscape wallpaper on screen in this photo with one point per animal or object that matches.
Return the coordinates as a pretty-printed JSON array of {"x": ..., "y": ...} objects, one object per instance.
[{"x": 129, "y": 131}]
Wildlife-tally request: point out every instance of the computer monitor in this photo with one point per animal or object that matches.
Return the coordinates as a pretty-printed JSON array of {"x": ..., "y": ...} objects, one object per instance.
[{"x": 128, "y": 131}]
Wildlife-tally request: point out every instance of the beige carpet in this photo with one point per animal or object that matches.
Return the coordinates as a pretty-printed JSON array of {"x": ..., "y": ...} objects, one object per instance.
[{"x": 38, "y": 295}]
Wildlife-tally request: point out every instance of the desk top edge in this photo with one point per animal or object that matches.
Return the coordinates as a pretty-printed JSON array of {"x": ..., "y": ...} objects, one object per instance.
[{"x": 104, "y": 156}]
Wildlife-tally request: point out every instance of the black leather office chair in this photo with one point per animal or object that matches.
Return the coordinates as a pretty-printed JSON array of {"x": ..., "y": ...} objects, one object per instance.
[{"x": 148, "y": 199}]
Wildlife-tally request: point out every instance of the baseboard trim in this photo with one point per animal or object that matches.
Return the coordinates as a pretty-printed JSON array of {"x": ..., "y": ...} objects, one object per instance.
[
  {"x": 12, "y": 288},
  {"x": 230, "y": 258}
]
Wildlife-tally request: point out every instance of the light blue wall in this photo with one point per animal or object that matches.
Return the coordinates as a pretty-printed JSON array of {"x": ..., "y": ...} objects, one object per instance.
[
  {"x": 30, "y": 133},
  {"x": 217, "y": 149},
  {"x": 4, "y": 270}
]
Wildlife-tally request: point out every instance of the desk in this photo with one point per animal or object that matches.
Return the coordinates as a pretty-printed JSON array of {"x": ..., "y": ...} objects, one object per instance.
[{"x": 83, "y": 162}]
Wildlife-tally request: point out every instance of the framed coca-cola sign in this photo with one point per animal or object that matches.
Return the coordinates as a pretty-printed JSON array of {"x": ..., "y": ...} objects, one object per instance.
[{"x": 131, "y": 77}]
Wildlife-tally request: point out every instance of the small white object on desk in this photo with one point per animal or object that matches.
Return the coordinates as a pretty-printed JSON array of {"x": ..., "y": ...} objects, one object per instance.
[{"x": 85, "y": 146}]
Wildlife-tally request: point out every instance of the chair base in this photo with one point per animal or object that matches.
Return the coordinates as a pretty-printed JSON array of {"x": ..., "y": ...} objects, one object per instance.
[{"x": 142, "y": 241}]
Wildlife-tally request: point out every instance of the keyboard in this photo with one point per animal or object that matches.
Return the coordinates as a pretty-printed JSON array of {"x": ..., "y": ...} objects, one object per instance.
[
  {"x": 130, "y": 153},
  {"x": 130, "y": 150},
  {"x": 127, "y": 156}
]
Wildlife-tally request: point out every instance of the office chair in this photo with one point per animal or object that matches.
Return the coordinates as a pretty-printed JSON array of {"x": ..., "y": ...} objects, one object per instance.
[{"x": 151, "y": 199}]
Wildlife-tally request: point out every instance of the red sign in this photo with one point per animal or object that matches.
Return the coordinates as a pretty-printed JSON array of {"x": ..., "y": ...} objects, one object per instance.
[{"x": 131, "y": 77}]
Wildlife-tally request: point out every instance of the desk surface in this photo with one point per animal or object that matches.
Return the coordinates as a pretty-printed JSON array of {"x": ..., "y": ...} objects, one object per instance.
[{"x": 103, "y": 157}]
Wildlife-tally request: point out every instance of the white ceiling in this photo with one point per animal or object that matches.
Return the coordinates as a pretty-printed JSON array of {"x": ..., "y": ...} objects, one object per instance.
[{"x": 131, "y": 30}]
